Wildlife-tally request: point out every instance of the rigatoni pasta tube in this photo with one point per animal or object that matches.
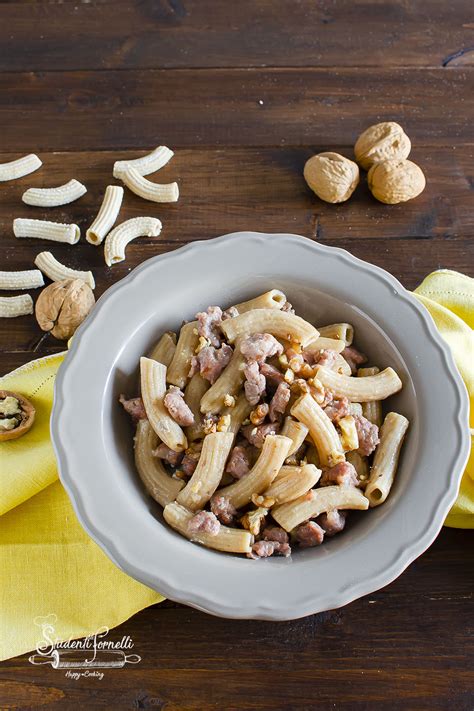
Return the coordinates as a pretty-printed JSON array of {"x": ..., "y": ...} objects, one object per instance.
[
  {"x": 165, "y": 349},
  {"x": 238, "y": 413},
  {"x": 293, "y": 484},
  {"x": 372, "y": 387},
  {"x": 27, "y": 279},
  {"x": 118, "y": 238},
  {"x": 193, "y": 394},
  {"x": 321, "y": 430},
  {"x": 147, "y": 190},
  {"x": 107, "y": 215},
  {"x": 323, "y": 343},
  {"x": 56, "y": 271},
  {"x": 178, "y": 371},
  {"x": 159, "y": 484},
  {"x": 228, "y": 383},
  {"x": 372, "y": 411},
  {"x": 43, "y": 229},
  {"x": 296, "y": 431},
  {"x": 13, "y": 306},
  {"x": 53, "y": 197},
  {"x": 146, "y": 164},
  {"x": 274, "y": 452},
  {"x": 318, "y": 501},
  {"x": 18, "y": 168},
  {"x": 228, "y": 540},
  {"x": 280, "y": 324},
  {"x": 386, "y": 457},
  {"x": 274, "y": 299},
  {"x": 208, "y": 473},
  {"x": 153, "y": 385},
  {"x": 340, "y": 331}
]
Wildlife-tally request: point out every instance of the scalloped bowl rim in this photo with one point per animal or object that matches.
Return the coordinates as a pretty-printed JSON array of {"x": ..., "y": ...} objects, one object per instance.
[{"x": 196, "y": 596}]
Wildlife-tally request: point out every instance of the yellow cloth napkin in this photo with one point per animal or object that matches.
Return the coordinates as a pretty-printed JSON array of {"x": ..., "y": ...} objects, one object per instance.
[
  {"x": 449, "y": 297},
  {"x": 50, "y": 566}
]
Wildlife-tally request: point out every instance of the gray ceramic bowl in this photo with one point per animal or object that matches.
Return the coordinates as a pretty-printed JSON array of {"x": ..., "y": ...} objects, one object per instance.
[{"x": 93, "y": 439}]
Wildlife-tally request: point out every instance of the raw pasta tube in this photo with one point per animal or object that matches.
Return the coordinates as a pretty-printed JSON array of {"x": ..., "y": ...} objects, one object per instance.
[
  {"x": 42, "y": 229},
  {"x": 56, "y": 271},
  {"x": 146, "y": 164},
  {"x": 165, "y": 349},
  {"x": 153, "y": 385},
  {"x": 107, "y": 215},
  {"x": 386, "y": 457},
  {"x": 19, "y": 167},
  {"x": 318, "y": 501},
  {"x": 372, "y": 387},
  {"x": 53, "y": 197},
  {"x": 178, "y": 371},
  {"x": 155, "y": 192},
  {"x": 274, "y": 452},
  {"x": 159, "y": 484},
  {"x": 340, "y": 331},
  {"x": 274, "y": 299},
  {"x": 279, "y": 323},
  {"x": 296, "y": 431},
  {"x": 321, "y": 430},
  {"x": 291, "y": 485},
  {"x": 323, "y": 343},
  {"x": 228, "y": 383},
  {"x": 120, "y": 236},
  {"x": 372, "y": 411},
  {"x": 208, "y": 473},
  {"x": 193, "y": 394},
  {"x": 28, "y": 279},
  {"x": 13, "y": 306},
  {"x": 229, "y": 540}
]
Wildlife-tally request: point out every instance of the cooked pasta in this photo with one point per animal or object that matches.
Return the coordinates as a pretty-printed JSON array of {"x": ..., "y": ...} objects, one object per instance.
[{"x": 257, "y": 434}]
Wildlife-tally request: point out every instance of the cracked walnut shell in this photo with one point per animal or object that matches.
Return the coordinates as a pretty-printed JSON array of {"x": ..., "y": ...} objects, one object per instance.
[
  {"x": 331, "y": 176},
  {"x": 63, "y": 306},
  {"x": 394, "y": 181},
  {"x": 383, "y": 141}
]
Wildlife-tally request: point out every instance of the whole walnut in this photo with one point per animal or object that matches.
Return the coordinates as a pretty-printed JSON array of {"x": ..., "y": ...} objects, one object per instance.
[
  {"x": 394, "y": 181},
  {"x": 331, "y": 176},
  {"x": 383, "y": 141},
  {"x": 63, "y": 306}
]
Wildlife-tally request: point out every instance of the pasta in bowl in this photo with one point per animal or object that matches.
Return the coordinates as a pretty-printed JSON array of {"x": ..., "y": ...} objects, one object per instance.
[
  {"x": 252, "y": 430},
  {"x": 325, "y": 286}
]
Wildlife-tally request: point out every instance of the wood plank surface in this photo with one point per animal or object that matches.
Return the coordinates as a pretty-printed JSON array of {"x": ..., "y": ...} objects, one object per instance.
[
  {"x": 116, "y": 34},
  {"x": 245, "y": 93},
  {"x": 95, "y": 110},
  {"x": 405, "y": 647}
]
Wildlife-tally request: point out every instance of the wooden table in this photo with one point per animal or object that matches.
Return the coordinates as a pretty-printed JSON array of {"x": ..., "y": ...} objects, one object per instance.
[{"x": 244, "y": 93}]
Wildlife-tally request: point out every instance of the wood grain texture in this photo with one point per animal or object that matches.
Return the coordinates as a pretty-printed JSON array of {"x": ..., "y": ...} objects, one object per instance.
[
  {"x": 408, "y": 646},
  {"x": 116, "y": 34},
  {"x": 95, "y": 110},
  {"x": 227, "y": 190},
  {"x": 245, "y": 92}
]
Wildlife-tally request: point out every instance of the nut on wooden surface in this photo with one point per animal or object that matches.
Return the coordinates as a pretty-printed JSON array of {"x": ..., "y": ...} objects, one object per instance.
[
  {"x": 394, "y": 181},
  {"x": 63, "y": 306},
  {"x": 382, "y": 141},
  {"x": 331, "y": 176},
  {"x": 28, "y": 412}
]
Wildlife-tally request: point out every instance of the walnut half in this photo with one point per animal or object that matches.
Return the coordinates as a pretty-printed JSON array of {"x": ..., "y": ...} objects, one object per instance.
[{"x": 17, "y": 415}]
